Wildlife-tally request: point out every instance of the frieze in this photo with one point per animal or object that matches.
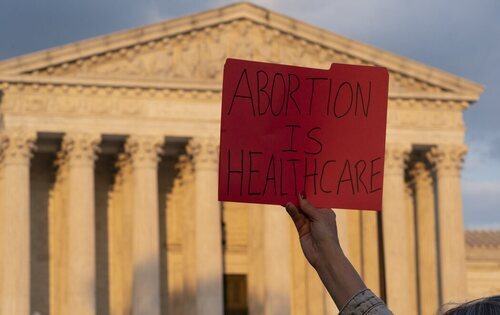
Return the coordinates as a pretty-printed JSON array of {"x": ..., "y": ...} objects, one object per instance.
[
  {"x": 193, "y": 105},
  {"x": 428, "y": 114}
]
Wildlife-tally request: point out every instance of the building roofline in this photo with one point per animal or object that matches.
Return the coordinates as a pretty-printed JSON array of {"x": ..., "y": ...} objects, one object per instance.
[{"x": 123, "y": 39}]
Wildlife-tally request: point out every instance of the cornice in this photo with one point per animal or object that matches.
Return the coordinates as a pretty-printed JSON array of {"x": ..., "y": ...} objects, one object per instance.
[
  {"x": 7, "y": 81},
  {"x": 128, "y": 38}
]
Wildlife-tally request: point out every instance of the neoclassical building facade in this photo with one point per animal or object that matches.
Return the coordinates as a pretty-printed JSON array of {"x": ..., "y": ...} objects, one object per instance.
[{"x": 108, "y": 178}]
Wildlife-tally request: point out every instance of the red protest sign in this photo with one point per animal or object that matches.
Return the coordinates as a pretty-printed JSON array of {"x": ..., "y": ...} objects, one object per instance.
[{"x": 287, "y": 130}]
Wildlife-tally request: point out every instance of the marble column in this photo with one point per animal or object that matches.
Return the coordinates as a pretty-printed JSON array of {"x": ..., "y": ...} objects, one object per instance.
[
  {"x": 412, "y": 261},
  {"x": 277, "y": 266},
  {"x": 270, "y": 266},
  {"x": 144, "y": 152},
  {"x": 348, "y": 222},
  {"x": 317, "y": 296},
  {"x": 15, "y": 155},
  {"x": 370, "y": 270},
  {"x": 181, "y": 241},
  {"x": 79, "y": 150},
  {"x": 204, "y": 152},
  {"x": 426, "y": 239},
  {"x": 256, "y": 265},
  {"x": 447, "y": 160},
  {"x": 58, "y": 240},
  {"x": 350, "y": 233},
  {"x": 395, "y": 235},
  {"x": 120, "y": 225}
]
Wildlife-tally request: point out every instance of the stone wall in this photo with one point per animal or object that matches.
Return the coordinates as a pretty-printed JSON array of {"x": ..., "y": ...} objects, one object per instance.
[{"x": 483, "y": 263}]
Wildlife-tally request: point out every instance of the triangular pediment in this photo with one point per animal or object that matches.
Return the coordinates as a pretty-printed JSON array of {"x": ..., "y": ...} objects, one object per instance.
[{"x": 194, "y": 48}]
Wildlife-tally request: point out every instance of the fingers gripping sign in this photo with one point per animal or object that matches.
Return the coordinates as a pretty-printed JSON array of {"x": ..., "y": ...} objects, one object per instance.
[{"x": 317, "y": 229}]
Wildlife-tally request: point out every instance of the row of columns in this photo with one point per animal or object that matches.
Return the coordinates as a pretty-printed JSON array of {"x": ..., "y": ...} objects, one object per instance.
[
  {"x": 424, "y": 247},
  {"x": 134, "y": 226},
  {"x": 199, "y": 290},
  {"x": 280, "y": 282},
  {"x": 136, "y": 205}
]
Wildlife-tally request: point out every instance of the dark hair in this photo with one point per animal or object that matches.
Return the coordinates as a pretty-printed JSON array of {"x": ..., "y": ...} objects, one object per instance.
[{"x": 483, "y": 306}]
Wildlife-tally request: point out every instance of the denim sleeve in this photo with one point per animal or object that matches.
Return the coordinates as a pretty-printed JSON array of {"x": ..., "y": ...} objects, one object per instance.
[{"x": 365, "y": 303}]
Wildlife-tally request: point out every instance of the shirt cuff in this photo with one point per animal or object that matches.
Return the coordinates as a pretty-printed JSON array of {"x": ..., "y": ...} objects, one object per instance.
[{"x": 363, "y": 303}]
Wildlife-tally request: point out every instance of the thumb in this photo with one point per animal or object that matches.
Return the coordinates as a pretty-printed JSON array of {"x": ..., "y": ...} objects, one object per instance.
[
  {"x": 308, "y": 208},
  {"x": 294, "y": 213},
  {"x": 299, "y": 219}
]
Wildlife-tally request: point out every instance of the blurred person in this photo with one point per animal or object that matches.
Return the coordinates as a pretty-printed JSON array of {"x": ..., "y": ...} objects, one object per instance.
[{"x": 486, "y": 306}]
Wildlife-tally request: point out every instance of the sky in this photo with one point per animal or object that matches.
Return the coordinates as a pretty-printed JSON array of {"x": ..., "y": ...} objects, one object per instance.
[{"x": 459, "y": 36}]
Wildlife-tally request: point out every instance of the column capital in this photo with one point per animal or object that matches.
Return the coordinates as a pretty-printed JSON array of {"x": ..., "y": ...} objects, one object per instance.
[
  {"x": 421, "y": 174},
  {"x": 16, "y": 146},
  {"x": 122, "y": 165},
  {"x": 396, "y": 157},
  {"x": 204, "y": 152},
  {"x": 185, "y": 169},
  {"x": 144, "y": 150},
  {"x": 80, "y": 148},
  {"x": 409, "y": 189},
  {"x": 447, "y": 159}
]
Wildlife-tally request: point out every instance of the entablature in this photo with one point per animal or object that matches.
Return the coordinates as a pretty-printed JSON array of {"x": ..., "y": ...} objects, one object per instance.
[{"x": 188, "y": 108}]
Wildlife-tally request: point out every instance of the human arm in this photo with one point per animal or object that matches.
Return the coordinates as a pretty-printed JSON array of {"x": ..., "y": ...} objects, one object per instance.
[{"x": 317, "y": 230}]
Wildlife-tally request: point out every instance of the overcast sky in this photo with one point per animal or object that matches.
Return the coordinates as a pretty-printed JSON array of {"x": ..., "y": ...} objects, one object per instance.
[{"x": 459, "y": 36}]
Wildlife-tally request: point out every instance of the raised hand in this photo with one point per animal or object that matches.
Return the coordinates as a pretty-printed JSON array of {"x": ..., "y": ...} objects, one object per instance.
[{"x": 317, "y": 230}]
